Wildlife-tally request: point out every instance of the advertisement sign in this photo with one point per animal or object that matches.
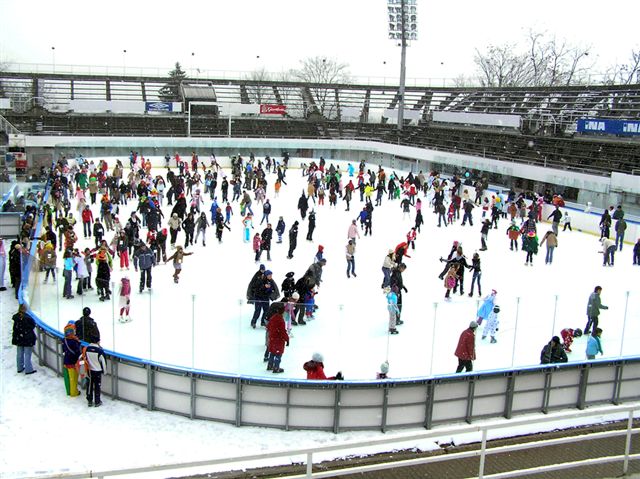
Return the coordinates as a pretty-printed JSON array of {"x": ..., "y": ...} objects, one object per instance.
[
  {"x": 162, "y": 106},
  {"x": 273, "y": 109},
  {"x": 608, "y": 127}
]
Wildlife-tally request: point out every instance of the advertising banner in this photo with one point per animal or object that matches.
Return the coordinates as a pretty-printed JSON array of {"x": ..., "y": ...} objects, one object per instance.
[
  {"x": 608, "y": 127},
  {"x": 273, "y": 109},
  {"x": 162, "y": 106}
]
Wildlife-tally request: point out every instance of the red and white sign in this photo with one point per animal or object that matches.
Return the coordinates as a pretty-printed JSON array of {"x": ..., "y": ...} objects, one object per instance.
[{"x": 273, "y": 109}]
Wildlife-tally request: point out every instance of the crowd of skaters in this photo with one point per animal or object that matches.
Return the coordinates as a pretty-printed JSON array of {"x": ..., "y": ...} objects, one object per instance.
[{"x": 93, "y": 184}]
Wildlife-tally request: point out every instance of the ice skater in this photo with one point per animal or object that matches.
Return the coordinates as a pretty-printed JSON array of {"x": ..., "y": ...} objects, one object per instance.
[{"x": 125, "y": 299}]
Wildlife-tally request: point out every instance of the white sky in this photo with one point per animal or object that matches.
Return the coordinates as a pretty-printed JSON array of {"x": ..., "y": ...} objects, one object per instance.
[{"x": 231, "y": 35}]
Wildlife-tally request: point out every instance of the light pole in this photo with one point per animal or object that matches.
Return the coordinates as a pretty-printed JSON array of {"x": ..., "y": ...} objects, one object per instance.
[
  {"x": 53, "y": 58},
  {"x": 403, "y": 26},
  {"x": 193, "y": 64},
  {"x": 124, "y": 62}
]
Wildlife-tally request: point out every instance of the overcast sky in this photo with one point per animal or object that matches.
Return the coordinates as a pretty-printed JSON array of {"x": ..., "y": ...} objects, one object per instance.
[{"x": 231, "y": 35}]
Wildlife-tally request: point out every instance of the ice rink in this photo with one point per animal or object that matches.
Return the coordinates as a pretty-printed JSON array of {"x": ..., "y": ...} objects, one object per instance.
[{"x": 204, "y": 321}]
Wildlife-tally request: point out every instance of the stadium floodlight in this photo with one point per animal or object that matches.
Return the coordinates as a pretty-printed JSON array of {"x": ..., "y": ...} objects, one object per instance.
[{"x": 403, "y": 26}]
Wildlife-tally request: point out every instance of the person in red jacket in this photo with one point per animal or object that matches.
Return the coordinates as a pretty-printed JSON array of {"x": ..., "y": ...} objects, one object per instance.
[
  {"x": 87, "y": 219},
  {"x": 466, "y": 350},
  {"x": 315, "y": 368},
  {"x": 278, "y": 338}
]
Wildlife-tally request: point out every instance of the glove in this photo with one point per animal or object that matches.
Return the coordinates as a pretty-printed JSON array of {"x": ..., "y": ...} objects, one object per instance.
[{"x": 287, "y": 343}]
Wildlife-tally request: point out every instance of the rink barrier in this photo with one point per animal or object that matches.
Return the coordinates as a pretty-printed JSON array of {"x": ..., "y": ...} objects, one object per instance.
[{"x": 338, "y": 406}]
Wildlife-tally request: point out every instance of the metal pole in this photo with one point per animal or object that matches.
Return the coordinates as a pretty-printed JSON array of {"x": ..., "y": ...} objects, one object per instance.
[
  {"x": 483, "y": 455},
  {"x": 113, "y": 317},
  {"x": 403, "y": 67},
  {"x": 189, "y": 121},
  {"x": 624, "y": 323},
  {"x": 433, "y": 337},
  {"x": 193, "y": 330},
  {"x": 515, "y": 332},
  {"x": 555, "y": 310},
  {"x": 150, "y": 328}
]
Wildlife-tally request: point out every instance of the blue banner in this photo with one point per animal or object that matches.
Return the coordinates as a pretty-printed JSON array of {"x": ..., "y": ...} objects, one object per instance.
[
  {"x": 158, "y": 106},
  {"x": 608, "y": 127}
]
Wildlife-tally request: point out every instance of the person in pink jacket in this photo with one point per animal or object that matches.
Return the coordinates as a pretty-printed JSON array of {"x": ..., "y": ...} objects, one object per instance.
[{"x": 353, "y": 232}]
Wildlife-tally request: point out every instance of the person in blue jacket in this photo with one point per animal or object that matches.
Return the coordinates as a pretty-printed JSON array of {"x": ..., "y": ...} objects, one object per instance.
[
  {"x": 593, "y": 344},
  {"x": 487, "y": 306}
]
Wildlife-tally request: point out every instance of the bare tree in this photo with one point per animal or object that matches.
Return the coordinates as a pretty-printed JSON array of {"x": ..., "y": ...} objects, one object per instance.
[
  {"x": 501, "y": 66},
  {"x": 257, "y": 92},
  {"x": 320, "y": 73},
  {"x": 625, "y": 73},
  {"x": 546, "y": 61}
]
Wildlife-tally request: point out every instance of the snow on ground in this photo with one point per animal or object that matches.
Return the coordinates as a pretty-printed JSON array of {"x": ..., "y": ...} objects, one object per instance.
[{"x": 350, "y": 330}]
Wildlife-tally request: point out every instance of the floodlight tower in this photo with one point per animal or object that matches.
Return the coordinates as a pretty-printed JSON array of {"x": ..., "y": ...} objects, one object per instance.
[{"x": 403, "y": 26}]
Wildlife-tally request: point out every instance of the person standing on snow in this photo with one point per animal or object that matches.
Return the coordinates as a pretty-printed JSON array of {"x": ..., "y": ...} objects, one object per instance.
[
  {"x": 278, "y": 338},
  {"x": 352, "y": 232},
  {"x": 312, "y": 225},
  {"x": 351, "y": 261},
  {"x": 466, "y": 349},
  {"x": 594, "y": 306},
  {"x": 552, "y": 242},
  {"x": 293, "y": 239}
]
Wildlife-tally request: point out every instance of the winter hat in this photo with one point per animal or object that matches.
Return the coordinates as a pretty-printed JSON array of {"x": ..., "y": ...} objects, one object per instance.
[
  {"x": 473, "y": 325},
  {"x": 577, "y": 332},
  {"x": 384, "y": 367},
  {"x": 262, "y": 267},
  {"x": 295, "y": 296},
  {"x": 70, "y": 330},
  {"x": 290, "y": 274},
  {"x": 86, "y": 311},
  {"x": 268, "y": 272},
  {"x": 496, "y": 309},
  {"x": 390, "y": 251},
  {"x": 320, "y": 248},
  {"x": 317, "y": 357}
]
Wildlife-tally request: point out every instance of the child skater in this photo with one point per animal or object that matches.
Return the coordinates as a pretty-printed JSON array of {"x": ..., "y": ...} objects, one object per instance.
[
  {"x": 392, "y": 307},
  {"x": 491, "y": 325},
  {"x": 290, "y": 312},
  {"x": 450, "y": 280},
  {"x": 72, "y": 351},
  {"x": 248, "y": 226},
  {"x": 125, "y": 300}
]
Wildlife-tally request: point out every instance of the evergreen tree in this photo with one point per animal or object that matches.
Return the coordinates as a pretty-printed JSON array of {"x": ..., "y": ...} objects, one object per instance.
[{"x": 171, "y": 91}]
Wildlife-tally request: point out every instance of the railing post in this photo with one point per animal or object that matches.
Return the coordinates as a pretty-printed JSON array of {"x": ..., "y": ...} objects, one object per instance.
[
  {"x": 150, "y": 387},
  {"x": 309, "y": 464},
  {"x": 385, "y": 406},
  {"x": 509, "y": 393},
  {"x": 582, "y": 386},
  {"x": 483, "y": 449},
  {"x": 617, "y": 384},
  {"x": 546, "y": 393},
  {"x": 336, "y": 409},
  {"x": 238, "y": 402},
  {"x": 470, "y": 393},
  {"x": 192, "y": 411},
  {"x": 627, "y": 444},
  {"x": 428, "y": 413}
]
